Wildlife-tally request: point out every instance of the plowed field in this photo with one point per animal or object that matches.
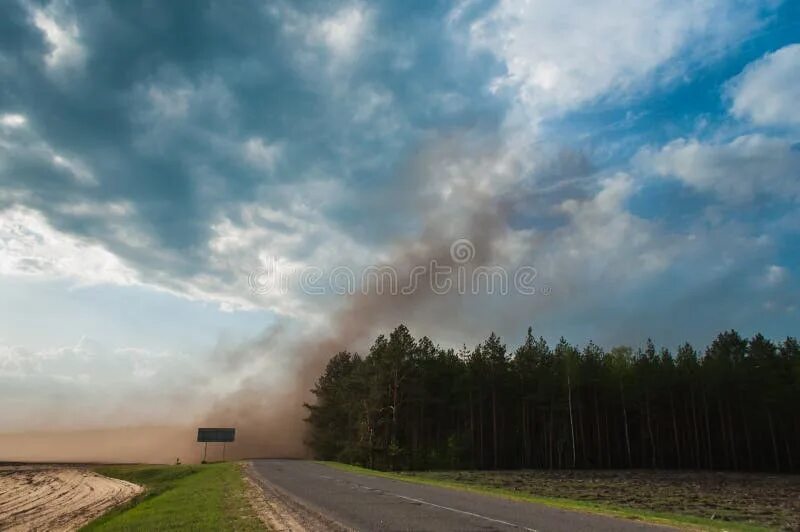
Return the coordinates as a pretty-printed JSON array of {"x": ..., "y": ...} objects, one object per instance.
[{"x": 57, "y": 498}]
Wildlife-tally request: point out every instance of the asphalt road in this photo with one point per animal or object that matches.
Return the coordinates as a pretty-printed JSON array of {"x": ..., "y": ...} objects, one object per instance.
[{"x": 364, "y": 502}]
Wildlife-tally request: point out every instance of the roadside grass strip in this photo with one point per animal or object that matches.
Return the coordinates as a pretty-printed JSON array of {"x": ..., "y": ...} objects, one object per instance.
[{"x": 182, "y": 497}]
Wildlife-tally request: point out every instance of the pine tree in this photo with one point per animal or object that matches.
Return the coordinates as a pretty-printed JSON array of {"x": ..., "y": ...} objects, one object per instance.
[{"x": 410, "y": 404}]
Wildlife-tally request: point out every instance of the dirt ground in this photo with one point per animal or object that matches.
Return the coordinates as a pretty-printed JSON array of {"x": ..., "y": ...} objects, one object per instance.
[
  {"x": 56, "y": 498},
  {"x": 762, "y": 499}
]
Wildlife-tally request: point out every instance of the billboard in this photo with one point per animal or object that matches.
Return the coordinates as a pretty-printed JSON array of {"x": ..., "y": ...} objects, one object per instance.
[{"x": 215, "y": 435}]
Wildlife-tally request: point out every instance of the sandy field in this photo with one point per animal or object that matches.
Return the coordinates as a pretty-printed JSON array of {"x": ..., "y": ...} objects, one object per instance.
[{"x": 56, "y": 498}]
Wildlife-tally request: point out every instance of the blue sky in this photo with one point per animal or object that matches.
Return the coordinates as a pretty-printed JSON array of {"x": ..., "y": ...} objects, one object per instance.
[{"x": 644, "y": 158}]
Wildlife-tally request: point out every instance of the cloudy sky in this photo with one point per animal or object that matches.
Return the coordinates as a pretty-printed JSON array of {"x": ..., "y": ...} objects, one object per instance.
[{"x": 643, "y": 157}]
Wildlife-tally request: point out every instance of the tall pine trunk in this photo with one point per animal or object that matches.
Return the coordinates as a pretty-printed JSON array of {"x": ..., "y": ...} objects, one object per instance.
[
  {"x": 650, "y": 429},
  {"x": 708, "y": 434},
  {"x": 472, "y": 427},
  {"x": 571, "y": 424},
  {"x": 675, "y": 430},
  {"x": 494, "y": 424},
  {"x": 732, "y": 438},
  {"x": 625, "y": 422},
  {"x": 698, "y": 458},
  {"x": 599, "y": 434},
  {"x": 550, "y": 446},
  {"x": 774, "y": 441},
  {"x": 480, "y": 422},
  {"x": 747, "y": 435}
]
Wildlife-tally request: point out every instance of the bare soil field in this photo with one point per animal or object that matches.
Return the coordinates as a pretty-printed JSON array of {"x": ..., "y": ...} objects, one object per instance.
[
  {"x": 34, "y": 497},
  {"x": 760, "y": 499}
]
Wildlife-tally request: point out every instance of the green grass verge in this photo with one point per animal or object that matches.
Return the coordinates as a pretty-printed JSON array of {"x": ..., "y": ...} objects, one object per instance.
[
  {"x": 202, "y": 497},
  {"x": 660, "y": 518}
]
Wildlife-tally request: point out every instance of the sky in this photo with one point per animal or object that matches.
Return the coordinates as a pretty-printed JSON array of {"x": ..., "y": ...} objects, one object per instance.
[{"x": 163, "y": 164}]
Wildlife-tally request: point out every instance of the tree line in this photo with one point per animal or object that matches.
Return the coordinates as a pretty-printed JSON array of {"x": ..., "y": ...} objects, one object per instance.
[{"x": 409, "y": 404}]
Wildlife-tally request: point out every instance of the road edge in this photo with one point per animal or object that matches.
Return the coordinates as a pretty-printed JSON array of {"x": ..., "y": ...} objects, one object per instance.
[
  {"x": 284, "y": 510},
  {"x": 656, "y": 518}
]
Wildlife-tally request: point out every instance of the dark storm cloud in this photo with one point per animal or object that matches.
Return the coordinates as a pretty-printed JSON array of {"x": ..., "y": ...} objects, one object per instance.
[{"x": 166, "y": 95}]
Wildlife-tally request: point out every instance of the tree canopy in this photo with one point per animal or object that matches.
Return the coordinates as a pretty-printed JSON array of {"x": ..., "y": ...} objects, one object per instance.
[{"x": 409, "y": 404}]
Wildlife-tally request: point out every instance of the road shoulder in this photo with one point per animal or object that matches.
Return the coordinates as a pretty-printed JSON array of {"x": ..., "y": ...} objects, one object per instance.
[{"x": 279, "y": 510}]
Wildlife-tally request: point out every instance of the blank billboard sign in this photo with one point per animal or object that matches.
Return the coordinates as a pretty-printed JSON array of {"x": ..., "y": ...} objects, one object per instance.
[{"x": 216, "y": 435}]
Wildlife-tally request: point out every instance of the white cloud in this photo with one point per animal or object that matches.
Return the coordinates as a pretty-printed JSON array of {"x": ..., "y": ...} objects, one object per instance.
[
  {"x": 170, "y": 102},
  {"x": 372, "y": 100},
  {"x": 602, "y": 234},
  {"x": 79, "y": 171},
  {"x": 262, "y": 154},
  {"x": 774, "y": 275},
  {"x": 343, "y": 31},
  {"x": 29, "y": 245},
  {"x": 112, "y": 209},
  {"x": 460, "y": 173},
  {"x": 297, "y": 236},
  {"x": 101, "y": 385},
  {"x": 173, "y": 98},
  {"x": 376, "y": 115},
  {"x": 738, "y": 171},
  {"x": 767, "y": 92},
  {"x": 173, "y": 108},
  {"x": 60, "y": 363},
  {"x": 325, "y": 42},
  {"x": 285, "y": 241},
  {"x": 18, "y": 142},
  {"x": 13, "y": 120},
  {"x": 751, "y": 165},
  {"x": 558, "y": 56},
  {"x": 62, "y": 34}
]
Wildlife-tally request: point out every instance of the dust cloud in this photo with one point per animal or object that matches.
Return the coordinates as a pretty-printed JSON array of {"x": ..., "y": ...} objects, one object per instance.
[
  {"x": 113, "y": 445},
  {"x": 270, "y": 419},
  {"x": 272, "y": 422}
]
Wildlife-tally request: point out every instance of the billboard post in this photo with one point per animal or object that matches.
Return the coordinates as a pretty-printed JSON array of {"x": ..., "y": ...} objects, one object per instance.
[{"x": 215, "y": 435}]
